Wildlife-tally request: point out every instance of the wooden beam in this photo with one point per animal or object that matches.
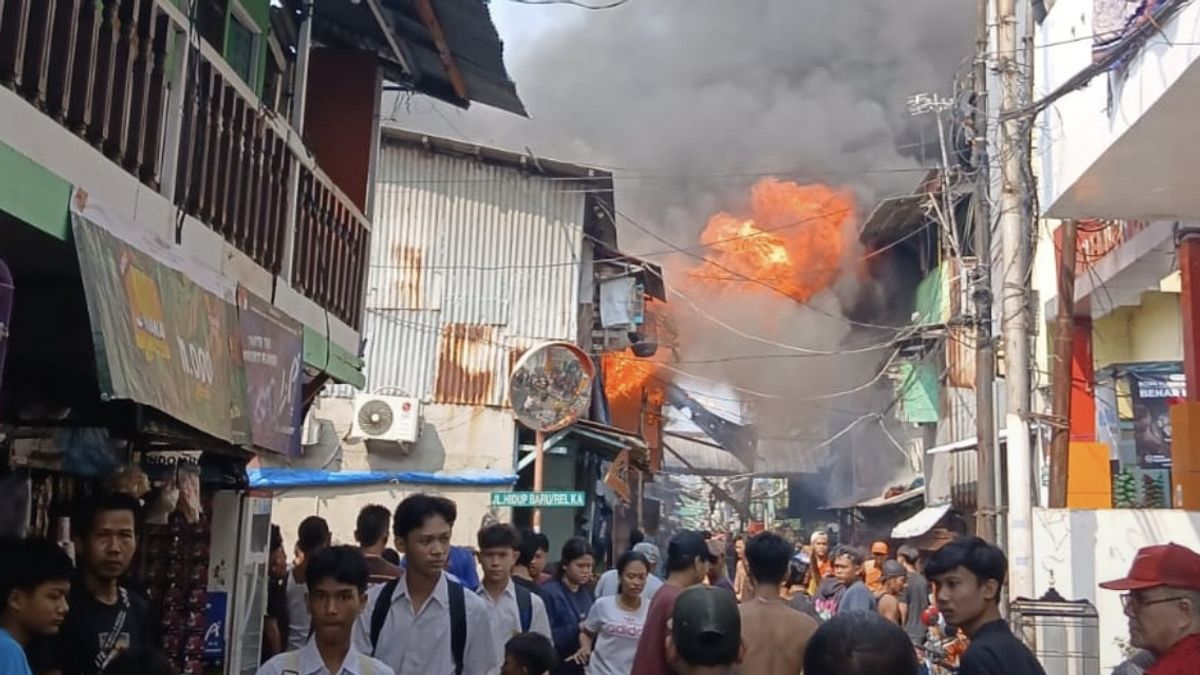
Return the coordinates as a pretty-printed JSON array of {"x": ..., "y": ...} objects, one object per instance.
[{"x": 429, "y": 17}]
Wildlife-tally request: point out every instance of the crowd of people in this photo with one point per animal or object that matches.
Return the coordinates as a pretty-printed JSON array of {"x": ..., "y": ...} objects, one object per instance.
[{"x": 404, "y": 601}]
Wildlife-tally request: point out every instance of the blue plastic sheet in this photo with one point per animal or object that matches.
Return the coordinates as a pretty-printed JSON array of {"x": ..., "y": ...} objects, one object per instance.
[{"x": 285, "y": 478}]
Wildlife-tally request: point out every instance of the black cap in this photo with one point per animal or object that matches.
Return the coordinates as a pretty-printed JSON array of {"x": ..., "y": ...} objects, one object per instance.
[
  {"x": 707, "y": 627},
  {"x": 690, "y": 543}
]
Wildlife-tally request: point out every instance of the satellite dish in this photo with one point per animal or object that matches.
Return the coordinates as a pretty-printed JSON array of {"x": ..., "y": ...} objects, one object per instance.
[{"x": 551, "y": 386}]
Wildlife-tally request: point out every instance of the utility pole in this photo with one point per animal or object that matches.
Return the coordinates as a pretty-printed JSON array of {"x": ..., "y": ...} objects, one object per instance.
[
  {"x": 985, "y": 349},
  {"x": 1016, "y": 233},
  {"x": 1060, "y": 379}
]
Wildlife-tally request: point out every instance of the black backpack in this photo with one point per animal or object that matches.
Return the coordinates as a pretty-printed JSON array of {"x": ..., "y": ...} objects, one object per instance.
[
  {"x": 458, "y": 619},
  {"x": 524, "y": 606}
]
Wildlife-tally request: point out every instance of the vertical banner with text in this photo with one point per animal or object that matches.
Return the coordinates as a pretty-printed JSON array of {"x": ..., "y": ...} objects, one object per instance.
[{"x": 272, "y": 356}]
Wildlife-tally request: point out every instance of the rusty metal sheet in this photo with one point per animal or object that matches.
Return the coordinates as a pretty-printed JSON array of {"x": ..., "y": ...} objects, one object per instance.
[{"x": 471, "y": 264}]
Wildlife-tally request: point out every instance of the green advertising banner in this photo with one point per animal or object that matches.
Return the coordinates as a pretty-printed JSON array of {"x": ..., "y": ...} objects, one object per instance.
[{"x": 161, "y": 340}]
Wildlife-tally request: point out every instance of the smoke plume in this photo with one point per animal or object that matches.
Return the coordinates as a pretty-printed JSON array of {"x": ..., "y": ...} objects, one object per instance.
[{"x": 693, "y": 101}]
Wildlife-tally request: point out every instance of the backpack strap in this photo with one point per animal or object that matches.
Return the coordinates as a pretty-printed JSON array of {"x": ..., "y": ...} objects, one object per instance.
[
  {"x": 524, "y": 606},
  {"x": 458, "y": 623},
  {"x": 379, "y": 613}
]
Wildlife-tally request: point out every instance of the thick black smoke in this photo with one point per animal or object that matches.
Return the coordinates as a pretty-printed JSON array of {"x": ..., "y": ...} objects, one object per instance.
[{"x": 691, "y": 102}]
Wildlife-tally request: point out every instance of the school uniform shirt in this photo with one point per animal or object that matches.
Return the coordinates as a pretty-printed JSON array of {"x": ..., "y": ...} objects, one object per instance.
[
  {"x": 617, "y": 632},
  {"x": 307, "y": 661},
  {"x": 12, "y": 656},
  {"x": 416, "y": 640},
  {"x": 299, "y": 620},
  {"x": 504, "y": 615},
  {"x": 994, "y": 650}
]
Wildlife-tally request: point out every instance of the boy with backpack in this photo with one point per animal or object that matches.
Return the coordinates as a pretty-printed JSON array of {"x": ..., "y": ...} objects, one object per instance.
[
  {"x": 337, "y": 592},
  {"x": 35, "y": 579},
  {"x": 423, "y": 623},
  {"x": 512, "y": 609}
]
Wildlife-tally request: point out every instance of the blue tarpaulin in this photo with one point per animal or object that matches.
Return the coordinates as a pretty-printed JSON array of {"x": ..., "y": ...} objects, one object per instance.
[{"x": 286, "y": 478}]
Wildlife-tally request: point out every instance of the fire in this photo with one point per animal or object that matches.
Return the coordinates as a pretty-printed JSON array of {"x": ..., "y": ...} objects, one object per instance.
[
  {"x": 625, "y": 375},
  {"x": 794, "y": 240}
]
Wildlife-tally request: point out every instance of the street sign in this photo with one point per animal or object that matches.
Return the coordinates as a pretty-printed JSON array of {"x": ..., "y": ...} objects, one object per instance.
[{"x": 566, "y": 499}]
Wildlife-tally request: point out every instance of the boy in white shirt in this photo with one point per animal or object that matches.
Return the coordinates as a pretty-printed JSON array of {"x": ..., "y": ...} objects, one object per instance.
[
  {"x": 337, "y": 593},
  {"x": 512, "y": 609},
  {"x": 424, "y": 623}
]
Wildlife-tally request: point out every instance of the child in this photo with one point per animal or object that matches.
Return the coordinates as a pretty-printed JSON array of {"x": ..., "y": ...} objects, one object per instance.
[
  {"x": 35, "y": 578},
  {"x": 529, "y": 654},
  {"x": 337, "y": 593}
]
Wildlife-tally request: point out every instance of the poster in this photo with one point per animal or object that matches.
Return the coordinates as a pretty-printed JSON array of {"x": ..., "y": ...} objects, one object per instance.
[
  {"x": 1154, "y": 391},
  {"x": 271, "y": 355},
  {"x": 160, "y": 339}
]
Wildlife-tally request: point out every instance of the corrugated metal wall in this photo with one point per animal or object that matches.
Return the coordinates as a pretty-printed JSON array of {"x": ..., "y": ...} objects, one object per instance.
[{"x": 471, "y": 264}]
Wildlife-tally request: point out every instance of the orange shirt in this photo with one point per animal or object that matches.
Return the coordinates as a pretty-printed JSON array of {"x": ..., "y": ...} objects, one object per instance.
[{"x": 874, "y": 576}]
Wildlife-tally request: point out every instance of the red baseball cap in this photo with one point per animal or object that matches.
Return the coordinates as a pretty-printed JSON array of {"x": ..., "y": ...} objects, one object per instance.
[{"x": 1168, "y": 565}]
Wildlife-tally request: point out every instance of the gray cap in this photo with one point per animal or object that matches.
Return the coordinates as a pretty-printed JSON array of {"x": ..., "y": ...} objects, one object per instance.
[
  {"x": 892, "y": 568},
  {"x": 649, "y": 550}
]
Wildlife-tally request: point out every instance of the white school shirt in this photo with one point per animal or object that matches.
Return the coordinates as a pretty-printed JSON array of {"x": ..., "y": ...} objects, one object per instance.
[
  {"x": 417, "y": 641},
  {"x": 505, "y": 618},
  {"x": 307, "y": 661},
  {"x": 299, "y": 621}
]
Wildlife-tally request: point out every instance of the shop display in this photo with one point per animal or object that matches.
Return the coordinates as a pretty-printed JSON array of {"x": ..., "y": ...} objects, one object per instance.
[{"x": 175, "y": 568}]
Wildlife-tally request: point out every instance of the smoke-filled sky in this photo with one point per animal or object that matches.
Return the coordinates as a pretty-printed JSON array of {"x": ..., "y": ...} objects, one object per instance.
[
  {"x": 708, "y": 88},
  {"x": 693, "y": 101}
]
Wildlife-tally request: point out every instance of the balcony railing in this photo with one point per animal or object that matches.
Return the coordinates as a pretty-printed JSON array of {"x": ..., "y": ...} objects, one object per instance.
[{"x": 197, "y": 134}]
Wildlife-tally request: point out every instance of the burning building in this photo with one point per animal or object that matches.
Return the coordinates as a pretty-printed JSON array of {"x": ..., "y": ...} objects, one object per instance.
[{"x": 782, "y": 308}]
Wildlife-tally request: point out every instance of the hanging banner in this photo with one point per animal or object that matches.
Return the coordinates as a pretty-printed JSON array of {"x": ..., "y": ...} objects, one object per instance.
[
  {"x": 161, "y": 339},
  {"x": 1154, "y": 391},
  {"x": 617, "y": 478},
  {"x": 271, "y": 351}
]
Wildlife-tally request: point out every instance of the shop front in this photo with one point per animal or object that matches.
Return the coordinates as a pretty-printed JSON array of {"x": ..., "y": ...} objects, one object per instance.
[{"x": 137, "y": 370}]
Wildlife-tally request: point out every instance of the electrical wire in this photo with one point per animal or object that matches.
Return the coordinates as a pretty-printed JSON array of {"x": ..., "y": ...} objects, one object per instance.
[{"x": 737, "y": 274}]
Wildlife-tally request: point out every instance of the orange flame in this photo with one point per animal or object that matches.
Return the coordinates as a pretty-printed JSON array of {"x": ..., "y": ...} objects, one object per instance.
[{"x": 794, "y": 241}]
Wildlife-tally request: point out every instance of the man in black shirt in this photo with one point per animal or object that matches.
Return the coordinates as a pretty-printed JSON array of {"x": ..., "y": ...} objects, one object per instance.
[
  {"x": 915, "y": 599},
  {"x": 106, "y": 617},
  {"x": 967, "y": 575}
]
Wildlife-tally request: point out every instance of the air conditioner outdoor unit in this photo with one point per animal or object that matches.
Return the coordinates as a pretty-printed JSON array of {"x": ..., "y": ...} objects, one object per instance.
[{"x": 396, "y": 419}]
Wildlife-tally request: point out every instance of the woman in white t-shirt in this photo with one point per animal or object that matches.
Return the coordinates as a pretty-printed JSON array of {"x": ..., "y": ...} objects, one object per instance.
[{"x": 609, "y": 636}]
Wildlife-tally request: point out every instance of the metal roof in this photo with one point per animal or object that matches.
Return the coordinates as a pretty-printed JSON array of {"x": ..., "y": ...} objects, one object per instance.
[
  {"x": 447, "y": 49},
  {"x": 894, "y": 218},
  {"x": 691, "y": 456}
]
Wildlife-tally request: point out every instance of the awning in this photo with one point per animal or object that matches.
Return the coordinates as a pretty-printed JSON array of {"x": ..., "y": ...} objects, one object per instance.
[
  {"x": 274, "y": 478},
  {"x": 897, "y": 217},
  {"x": 689, "y": 456},
  {"x": 606, "y": 441},
  {"x": 447, "y": 49},
  {"x": 882, "y": 502},
  {"x": 922, "y": 522}
]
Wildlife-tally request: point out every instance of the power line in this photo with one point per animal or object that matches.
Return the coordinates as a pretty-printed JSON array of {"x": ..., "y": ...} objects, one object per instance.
[{"x": 753, "y": 280}]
